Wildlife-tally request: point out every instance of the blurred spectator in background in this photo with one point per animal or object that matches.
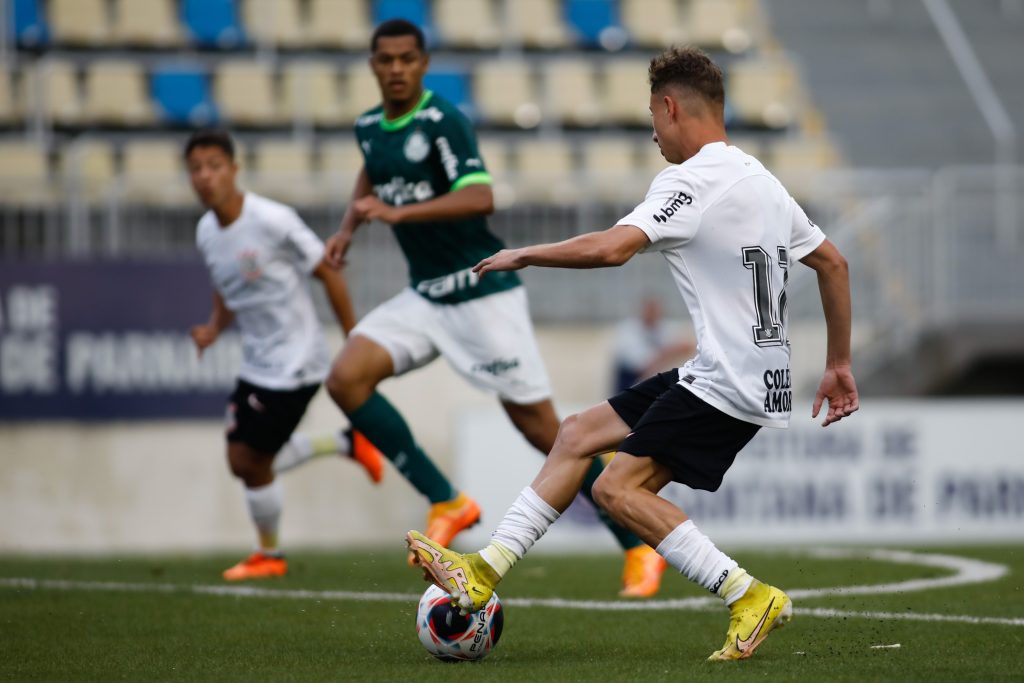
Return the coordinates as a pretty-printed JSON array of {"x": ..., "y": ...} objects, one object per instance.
[{"x": 646, "y": 345}]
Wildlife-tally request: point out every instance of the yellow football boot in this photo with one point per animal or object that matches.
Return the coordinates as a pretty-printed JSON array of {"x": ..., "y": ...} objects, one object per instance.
[
  {"x": 762, "y": 609},
  {"x": 468, "y": 579}
]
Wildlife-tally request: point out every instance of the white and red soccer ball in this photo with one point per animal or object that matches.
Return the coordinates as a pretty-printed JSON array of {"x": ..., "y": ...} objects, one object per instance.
[{"x": 452, "y": 637}]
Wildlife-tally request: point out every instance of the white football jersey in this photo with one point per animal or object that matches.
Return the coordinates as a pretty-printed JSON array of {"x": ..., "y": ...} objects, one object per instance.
[
  {"x": 260, "y": 265},
  {"x": 730, "y": 232}
]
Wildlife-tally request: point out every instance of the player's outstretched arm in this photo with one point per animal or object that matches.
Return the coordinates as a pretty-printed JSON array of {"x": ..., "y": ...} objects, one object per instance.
[
  {"x": 837, "y": 386},
  {"x": 337, "y": 244},
  {"x": 611, "y": 247},
  {"x": 220, "y": 317},
  {"x": 336, "y": 287}
]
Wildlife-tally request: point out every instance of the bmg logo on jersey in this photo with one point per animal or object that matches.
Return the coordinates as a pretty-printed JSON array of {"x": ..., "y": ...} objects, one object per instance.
[{"x": 680, "y": 200}]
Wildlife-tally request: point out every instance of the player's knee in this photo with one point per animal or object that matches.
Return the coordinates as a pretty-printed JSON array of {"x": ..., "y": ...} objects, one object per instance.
[
  {"x": 607, "y": 493},
  {"x": 347, "y": 386},
  {"x": 571, "y": 439}
]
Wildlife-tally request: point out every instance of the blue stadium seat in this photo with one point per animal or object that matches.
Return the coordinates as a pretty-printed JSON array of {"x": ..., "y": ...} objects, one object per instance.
[
  {"x": 592, "y": 19},
  {"x": 182, "y": 94},
  {"x": 416, "y": 11},
  {"x": 213, "y": 23},
  {"x": 29, "y": 26},
  {"x": 452, "y": 85}
]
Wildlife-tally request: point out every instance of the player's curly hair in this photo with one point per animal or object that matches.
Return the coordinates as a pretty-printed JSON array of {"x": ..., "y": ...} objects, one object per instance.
[{"x": 689, "y": 68}]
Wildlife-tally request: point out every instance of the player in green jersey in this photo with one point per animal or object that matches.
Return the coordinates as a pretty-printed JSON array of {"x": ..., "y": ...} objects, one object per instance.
[{"x": 423, "y": 175}]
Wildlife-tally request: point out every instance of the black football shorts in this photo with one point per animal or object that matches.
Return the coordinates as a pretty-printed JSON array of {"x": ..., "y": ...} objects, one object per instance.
[{"x": 695, "y": 440}]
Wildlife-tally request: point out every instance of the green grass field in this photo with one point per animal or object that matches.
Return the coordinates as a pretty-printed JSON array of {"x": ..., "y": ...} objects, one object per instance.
[{"x": 149, "y": 618}]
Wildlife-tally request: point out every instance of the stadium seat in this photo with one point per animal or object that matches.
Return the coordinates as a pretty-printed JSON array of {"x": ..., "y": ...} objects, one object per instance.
[
  {"x": 416, "y": 11},
  {"x": 536, "y": 24},
  {"x": 182, "y": 95},
  {"x": 340, "y": 162},
  {"x": 154, "y": 173},
  {"x": 494, "y": 153},
  {"x": 283, "y": 170},
  {"x": 468, "y": 24},
  {"x": 722, "y": 24},
  {"x": 24, "y": 173},
  {"x": 653, "y": 23},
  {"x": 244, "y": 92},
  {"x": 341, "y": 24},
  {"x": 273, "y": 22},
  {"x": 545, "y": 171},
  {"x": 800, "y": 161},
  {"x": 763, "y": 92},
  {"x": 505, "y": 93},
  {"x": 50, "y": 88},
  {"x": 571, "y": 94},
  {"x": 116, "y": 94},
  {"x": 611, "y": 170},
  {"x": 361, "y": 90},
  {"x": 147, "y": 23},
  {"x": 213, "y": 23},
  {"x": 9, "y": 111},
  {"x": 30, "y": 29},
  {"x": 627, "y": 94},
  {"x": 452, "y": 85},
  {"x": 79, "y": 22},
  {"x": 88, "y": 170},
  {"x": 595, "y": 23},
  {"x": 312, "y": 94}
]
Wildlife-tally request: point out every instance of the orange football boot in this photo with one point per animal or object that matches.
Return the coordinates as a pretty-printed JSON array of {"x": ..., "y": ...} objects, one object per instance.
[
  {"x": 641, "y": 577},
  {"x": 447, "y": 518},
  {"x": 259, "y": 565}
]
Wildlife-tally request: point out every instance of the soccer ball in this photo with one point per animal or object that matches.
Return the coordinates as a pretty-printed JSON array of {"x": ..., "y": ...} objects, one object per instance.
[{"x": 451, "y": 637}]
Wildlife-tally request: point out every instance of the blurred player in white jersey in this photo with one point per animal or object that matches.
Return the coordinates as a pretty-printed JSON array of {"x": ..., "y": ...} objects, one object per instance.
[
  {"x": 730, "y": 232},
  {"x": 260, "y": 255}
]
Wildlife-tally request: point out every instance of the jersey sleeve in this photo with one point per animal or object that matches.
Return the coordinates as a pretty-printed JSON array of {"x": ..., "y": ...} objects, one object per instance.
[
  {"x": 300, "y": 242},
  {"x": 669, "y": 214},
  {"x": 455, "y": 143},
  {"x": 805, "y": 236}
]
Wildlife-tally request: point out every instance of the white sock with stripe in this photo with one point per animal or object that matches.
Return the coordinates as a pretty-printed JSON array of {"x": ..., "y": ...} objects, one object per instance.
[{"x": 693, "y": 554}]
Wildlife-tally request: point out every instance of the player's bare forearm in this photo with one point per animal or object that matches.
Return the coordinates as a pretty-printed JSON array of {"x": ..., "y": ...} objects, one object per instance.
[
  {"x": 838, "y": 386},
  {"x": 337, "y": 244},
  {"x": 467, "y": 202},
  {"x": 337, "y": 294},
  {"x": 608, "y": 248},
  {"x": 220, "y": 315},
  {"x": 834, "y": 285}
]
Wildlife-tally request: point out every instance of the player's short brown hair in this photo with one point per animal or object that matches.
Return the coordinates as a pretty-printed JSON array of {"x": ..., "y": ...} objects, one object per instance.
[
  {"x": 211, "y": 137},
  {"x": 689, "y": 68}
]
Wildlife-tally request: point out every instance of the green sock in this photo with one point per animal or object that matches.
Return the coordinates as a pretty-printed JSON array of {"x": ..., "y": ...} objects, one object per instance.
[
  {"x": 626, "y": 538},
  {"x": 386, "y": 429}
]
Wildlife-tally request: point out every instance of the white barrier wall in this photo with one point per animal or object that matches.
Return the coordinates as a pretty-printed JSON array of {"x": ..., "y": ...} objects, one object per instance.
[{"x": 908, "y": 471}]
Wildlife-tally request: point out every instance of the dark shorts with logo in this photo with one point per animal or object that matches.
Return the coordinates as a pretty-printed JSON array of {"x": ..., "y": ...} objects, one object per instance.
[
  {"x": 695, "y": 440},
  {"x": 264, "y": 419}
]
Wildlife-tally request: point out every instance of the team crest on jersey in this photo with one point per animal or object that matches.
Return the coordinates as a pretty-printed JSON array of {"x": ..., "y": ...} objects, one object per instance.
[
  {"x": 417, "y": 147},
  {"x": 249, "y": 265}
]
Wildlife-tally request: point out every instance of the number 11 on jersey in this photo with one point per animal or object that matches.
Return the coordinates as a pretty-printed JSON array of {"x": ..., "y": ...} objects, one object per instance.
[{"x": 770, "y": 329}]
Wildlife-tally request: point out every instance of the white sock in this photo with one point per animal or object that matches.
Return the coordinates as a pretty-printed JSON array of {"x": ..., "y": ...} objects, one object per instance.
[
  {"x": 525, "y": 522},
  {"x": 301, "y": 448},
  {"x": 695, "y": 556},
  {"x": 265, "y": 503}
]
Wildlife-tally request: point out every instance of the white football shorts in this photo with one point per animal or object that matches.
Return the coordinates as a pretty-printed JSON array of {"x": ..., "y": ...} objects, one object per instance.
[{"x": 489, "y": 340}]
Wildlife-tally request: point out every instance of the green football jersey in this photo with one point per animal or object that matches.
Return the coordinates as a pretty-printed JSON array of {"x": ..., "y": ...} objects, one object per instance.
[{"x": 421, "y": 155}]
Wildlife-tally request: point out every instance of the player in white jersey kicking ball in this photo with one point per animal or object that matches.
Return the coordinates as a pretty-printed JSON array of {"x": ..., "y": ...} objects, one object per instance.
[
  {"x": 730, "y": 232},
  {"x": 260, "y": 255}
]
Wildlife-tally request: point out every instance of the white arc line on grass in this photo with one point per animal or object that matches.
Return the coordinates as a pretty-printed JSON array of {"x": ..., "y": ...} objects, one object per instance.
[{"x": 966, "y": 571}]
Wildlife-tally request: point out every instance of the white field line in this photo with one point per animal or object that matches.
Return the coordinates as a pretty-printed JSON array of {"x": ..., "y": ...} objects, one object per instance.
[{"x": 966, "y": 571}]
